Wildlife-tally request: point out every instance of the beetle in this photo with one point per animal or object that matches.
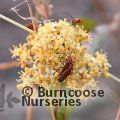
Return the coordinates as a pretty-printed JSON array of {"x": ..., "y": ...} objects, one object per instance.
[
  {"x": 30, "y": 25},
  {"x": 75, "y": 21},
  {"x": 66, "y": 70},
  {"x": 65, "y": 74},
  {"x": 67, "y": 64}
]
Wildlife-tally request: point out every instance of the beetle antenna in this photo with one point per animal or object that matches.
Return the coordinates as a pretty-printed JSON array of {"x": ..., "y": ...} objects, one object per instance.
[{"x": 69, "y": 14}]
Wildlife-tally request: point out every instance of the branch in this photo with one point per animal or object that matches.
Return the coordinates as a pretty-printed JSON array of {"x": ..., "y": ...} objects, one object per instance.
[
  {"x": 53, "y": 112},
  {"x": 8, "y": 65},
  {"x": 16, "y": 23},
  {"x": 114, "y": 77},
  {"x": 29, "y": 113},
  {"x": 118, "y": 114},
  {"x": 31, "y": 14}
]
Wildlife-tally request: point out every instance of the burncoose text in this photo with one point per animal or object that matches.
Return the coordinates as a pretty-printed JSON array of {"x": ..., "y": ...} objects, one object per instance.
[{"x": 57, "y": 97}]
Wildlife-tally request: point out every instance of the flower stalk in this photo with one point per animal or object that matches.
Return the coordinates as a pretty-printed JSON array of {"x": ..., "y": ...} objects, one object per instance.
[
  {"x": 53, "y": 112},
  {"x": 114, "y": 77},
  {"x": 29, "y": 113},
  {"x": 8, "y": 65},
  {"x": 118, "y": 114},
  {"x": 31, "y": 14},
  {"x": 16, "y": 23}
]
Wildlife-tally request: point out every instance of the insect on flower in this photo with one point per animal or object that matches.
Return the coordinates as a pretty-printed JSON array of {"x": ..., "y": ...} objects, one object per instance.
[
  {"x": 66, "y": 71},
  {"x": 75, "y": 20},
  {"x": 67, "y": 64},
  {"x": 30, "y": 26}
]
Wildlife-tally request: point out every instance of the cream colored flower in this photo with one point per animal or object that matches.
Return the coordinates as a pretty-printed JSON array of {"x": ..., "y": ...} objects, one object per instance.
[{"x": 47, "y": 52}]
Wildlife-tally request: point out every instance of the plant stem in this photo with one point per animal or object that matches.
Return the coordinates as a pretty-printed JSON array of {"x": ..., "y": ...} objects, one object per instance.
[
  {"x": 16, "y": 23},
  {"x": 63, "y": 113},
  {"x": 31, "y": 14},
  {"x": 29, "y": 113},
  {"x": 118, "y": 114},
  {"x": 8, "y": 65},
  {"x": 114, "y": 77},
  {"x": 53, "y": 112}
]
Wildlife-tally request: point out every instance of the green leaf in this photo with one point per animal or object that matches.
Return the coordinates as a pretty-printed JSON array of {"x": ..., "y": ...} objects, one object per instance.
[
  {"x": 64, "y": 110},
  {"x": 59, "y": 116},
  {"x": 88, "y": 24}
]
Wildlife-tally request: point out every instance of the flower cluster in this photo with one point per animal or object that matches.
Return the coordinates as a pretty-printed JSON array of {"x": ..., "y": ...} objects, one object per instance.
[{"x": 45, "y": 53}]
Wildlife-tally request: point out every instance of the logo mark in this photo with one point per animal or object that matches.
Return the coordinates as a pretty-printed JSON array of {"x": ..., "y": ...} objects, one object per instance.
[{"x": 9, "y": 99}]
